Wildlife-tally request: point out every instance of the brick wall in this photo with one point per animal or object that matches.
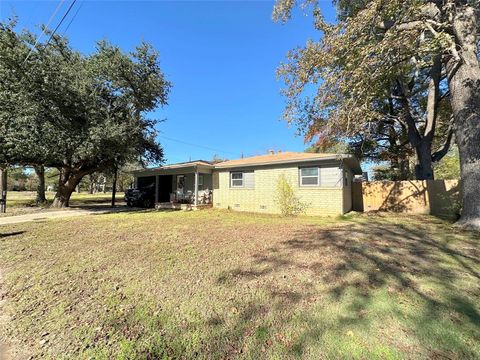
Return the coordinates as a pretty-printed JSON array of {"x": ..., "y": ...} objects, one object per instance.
[{"x": 321, "y": 200}]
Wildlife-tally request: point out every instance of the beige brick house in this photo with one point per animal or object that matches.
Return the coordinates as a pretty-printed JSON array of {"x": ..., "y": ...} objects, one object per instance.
[{"x": 322, "y": 181}]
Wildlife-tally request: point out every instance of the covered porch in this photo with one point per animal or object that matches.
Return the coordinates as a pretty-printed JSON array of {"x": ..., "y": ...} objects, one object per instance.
[{"x": 180, "y": 186}]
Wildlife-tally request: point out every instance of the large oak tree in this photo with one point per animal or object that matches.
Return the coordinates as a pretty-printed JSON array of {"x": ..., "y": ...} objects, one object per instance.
[
  {"x": 78, "y": 113},
  {"x": 419, "y": 53}
]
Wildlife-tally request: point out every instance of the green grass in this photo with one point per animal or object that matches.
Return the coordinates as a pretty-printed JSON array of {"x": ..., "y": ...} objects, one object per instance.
[{"x": 217, "y": 284}]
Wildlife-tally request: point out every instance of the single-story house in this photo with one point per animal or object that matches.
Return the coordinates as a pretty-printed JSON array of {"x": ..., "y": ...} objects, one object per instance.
[{"x": 322, "y": 181}]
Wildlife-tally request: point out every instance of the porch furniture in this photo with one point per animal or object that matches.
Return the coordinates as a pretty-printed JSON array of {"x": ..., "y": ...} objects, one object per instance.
[{"x": 204, "y": 197}]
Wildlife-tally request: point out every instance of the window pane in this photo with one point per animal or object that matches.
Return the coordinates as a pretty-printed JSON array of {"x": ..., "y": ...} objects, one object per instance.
[
  {"x": 309, "y": 171},
  {"x": 180, "y": 182},
  {"x": 237, "y": 175},
  {"x": 310, "y": 180},
  {"x": 237, "y": 182}
]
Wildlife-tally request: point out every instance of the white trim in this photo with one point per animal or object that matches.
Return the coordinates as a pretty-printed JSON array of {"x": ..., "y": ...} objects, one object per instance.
[
  {"x": 301, "y": 177},
  {"x": 177, "y": 177},
  {"x": 242, "y": 179}
]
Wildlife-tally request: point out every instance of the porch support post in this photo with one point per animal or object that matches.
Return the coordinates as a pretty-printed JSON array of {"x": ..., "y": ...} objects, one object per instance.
[
  {"x": 156, "y": 189},
  {"x": 196, "y": 187}
]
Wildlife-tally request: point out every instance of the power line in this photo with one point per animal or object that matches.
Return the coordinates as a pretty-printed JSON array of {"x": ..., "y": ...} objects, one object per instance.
[
  {"x": 197, "y": 145},
  {"x": 44, "y": 29},
  {"x": 73, "y": 17},
  {"x": 61, "y": 21}
]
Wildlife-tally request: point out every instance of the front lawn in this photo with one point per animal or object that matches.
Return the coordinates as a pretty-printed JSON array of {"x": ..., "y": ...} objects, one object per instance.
[
  {"x": 23, "y": 202},
  {"x": 217, "y": 284}
]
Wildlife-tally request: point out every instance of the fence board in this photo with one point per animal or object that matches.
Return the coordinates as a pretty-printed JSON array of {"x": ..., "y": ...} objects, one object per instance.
[{"x": 437, "y": 197}]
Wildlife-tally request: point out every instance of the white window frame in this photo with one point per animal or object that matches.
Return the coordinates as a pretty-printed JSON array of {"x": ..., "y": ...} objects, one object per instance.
[
  {"x": 309, "y": 176},
  {"x": 232, "y": 179},
  {"x": 178, "y": 182}
]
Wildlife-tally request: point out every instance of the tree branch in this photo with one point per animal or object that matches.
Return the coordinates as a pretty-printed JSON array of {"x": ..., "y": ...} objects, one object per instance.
[
  {"x": 411, "y": 25},
  {"x": 413, "y": 134},
  {"x": 432, "y": 97},
  {"x": 443, "y": 150}
]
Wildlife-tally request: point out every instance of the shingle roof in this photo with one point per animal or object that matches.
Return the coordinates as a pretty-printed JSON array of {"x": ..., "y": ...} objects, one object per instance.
[
  {"x": 277, "y": 158},
  {"x": 269, "y": 159}
]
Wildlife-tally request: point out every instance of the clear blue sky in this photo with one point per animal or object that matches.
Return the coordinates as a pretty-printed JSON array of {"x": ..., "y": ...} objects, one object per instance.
[{"x": 221, "y": 57}]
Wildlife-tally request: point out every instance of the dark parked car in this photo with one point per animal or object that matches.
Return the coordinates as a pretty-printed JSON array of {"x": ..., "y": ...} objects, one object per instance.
[{"x": 143, "y": 197}]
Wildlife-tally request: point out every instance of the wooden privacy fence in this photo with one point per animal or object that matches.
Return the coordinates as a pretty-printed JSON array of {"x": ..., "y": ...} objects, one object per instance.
[{"x": 436, "y": 197}]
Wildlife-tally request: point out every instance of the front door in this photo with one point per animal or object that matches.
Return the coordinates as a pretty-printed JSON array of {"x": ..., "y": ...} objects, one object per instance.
[{"x": 164, "y": 187}]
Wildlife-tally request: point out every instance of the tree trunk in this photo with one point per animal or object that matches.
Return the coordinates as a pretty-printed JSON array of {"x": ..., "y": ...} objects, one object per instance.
[
  {"x": 62, "y": 197},
  {"x": 66, "y": 185},
  {"x": 421, "y": 143},
  {"x": 464, "y": 84},
  {"x": 423, "y": 146},
  {"x": 40, "y": 171},
  {"x": 404, "y": 169},
  {"x": 114, "y": 186},
  {"x": 3, "y": 190},
  {"x": 424, "y": 168}
]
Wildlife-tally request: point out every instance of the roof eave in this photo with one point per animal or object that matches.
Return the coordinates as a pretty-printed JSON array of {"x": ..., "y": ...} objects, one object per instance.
[
  {"x": 279, "y": 162},
  {"x": 353, "y": 164},
  {"x": 173, "y": 166}
]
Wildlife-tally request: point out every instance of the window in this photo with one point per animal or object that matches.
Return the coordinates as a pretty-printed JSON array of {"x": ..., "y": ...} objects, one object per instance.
[
  {"x": 236, "y": 179},
  {"x": 200, "y": 180},
  {"x": 309, "y": 176},
  {"x": 180, "y": 182}
]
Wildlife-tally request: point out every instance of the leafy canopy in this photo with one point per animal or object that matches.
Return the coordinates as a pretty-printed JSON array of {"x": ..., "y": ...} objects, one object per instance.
[
  {"x": 61, "y": 108},
  {"x": 339, "y": 85}
]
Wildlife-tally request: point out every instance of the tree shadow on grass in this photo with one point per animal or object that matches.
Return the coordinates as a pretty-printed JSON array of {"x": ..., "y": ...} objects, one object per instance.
[
  {"x": 428, "y": 280},
  {"x": 5, "y": 235},
  {"x": 440, "y": 198}
]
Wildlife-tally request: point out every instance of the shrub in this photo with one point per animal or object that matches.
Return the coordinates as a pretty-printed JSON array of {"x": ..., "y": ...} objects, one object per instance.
[{"x": 287, "y": 200}]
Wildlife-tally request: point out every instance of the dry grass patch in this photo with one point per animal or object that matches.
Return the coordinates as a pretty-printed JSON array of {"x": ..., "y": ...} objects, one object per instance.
[
  {"x": 23, "y": 202},
  {"x": 217, "y": 284}
]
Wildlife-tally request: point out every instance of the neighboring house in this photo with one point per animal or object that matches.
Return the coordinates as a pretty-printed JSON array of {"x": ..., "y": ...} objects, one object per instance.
[{"x": 323, "y": 181}]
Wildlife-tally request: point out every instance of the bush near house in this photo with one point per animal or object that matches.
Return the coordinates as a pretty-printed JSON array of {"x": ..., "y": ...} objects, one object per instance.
[{"x": 286, "y": 199}]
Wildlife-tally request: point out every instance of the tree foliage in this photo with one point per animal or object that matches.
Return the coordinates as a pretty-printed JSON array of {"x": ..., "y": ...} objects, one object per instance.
[
  {"x": 449, "y": 167},
  {"x": 409, "y": 67},
  {"x": 373, "y": 84},
  {"x": 78, "y": 113}
]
